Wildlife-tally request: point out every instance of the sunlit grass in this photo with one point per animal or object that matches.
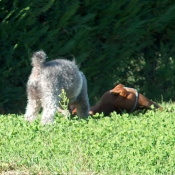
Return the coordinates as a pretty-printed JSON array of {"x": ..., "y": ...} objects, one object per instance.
[{"x": 129, "y": 144}]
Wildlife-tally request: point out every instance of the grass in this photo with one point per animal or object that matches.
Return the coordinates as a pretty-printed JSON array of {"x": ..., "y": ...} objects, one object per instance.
[{"x": 121, "y": 144}]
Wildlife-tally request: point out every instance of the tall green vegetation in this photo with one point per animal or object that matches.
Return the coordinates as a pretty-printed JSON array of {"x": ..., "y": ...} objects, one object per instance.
[{"x": 126, "y": 41}]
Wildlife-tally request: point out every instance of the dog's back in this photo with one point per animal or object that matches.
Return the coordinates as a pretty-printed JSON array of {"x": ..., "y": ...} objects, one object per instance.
[
  {"x": 106, "y": 105},
  {"x": 122, "y": 98},
  {"x": 132, "y": 100},
  {"x": 64, "y": 73}
]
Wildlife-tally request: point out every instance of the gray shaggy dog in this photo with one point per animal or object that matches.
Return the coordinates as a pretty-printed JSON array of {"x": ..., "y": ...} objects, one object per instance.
[{"x": 45, "y": 83}]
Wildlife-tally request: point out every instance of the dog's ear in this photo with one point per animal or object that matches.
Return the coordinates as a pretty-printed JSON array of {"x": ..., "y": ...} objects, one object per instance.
[
  {"x": 123, "y": 92},
  {"x": 115, "y": 91},
  {"x": 119, "y": 90},
  {"x": 119, "y": 86}
]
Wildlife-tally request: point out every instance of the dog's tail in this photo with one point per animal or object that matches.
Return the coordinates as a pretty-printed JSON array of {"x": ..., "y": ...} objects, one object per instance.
[{"x": 38, "y": 58}]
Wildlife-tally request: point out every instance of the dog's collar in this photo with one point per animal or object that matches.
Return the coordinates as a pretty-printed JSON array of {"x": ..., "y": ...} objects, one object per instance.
[{"x": 136, "y": 101}]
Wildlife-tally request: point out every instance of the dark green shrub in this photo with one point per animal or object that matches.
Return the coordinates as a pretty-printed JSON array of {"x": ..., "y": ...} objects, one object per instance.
[{"x": 124, "y": 41}]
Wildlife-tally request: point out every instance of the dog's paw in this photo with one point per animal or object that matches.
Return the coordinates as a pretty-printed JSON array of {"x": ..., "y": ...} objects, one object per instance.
[{"x": 29, "y": 118}]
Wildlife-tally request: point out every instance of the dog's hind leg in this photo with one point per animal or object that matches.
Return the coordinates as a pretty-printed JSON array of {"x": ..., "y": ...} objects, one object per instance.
[
  {"x": 146, "y": 103},
  {"x": 50, "y": 104},
  {"x": 33, "y": 105},
  {"x": 32, "y": 110}
]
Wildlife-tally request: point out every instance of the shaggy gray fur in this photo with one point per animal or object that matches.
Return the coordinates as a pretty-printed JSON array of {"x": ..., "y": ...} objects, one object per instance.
[{"x": 45, "y": 84}]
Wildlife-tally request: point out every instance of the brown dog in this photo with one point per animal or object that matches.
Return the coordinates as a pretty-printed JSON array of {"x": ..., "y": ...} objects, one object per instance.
[
  {"x": 122, "y": 98},
  {"x": 119, "y": 99}
]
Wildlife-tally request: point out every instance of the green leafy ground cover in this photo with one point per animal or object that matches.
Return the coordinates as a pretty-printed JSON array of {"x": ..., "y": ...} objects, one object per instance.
[{"x": 127, "y": 144}]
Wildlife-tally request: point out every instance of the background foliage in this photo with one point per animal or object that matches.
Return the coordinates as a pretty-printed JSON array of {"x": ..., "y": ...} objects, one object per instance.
[{"x": 124, "y": 41}]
